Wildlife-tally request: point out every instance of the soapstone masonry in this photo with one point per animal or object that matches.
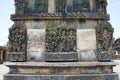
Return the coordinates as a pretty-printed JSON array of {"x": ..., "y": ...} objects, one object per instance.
[{"x": 61, "y": 40}]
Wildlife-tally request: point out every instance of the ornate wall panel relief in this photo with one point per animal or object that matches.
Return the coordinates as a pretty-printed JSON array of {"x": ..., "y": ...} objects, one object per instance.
[
  {"x": 60, "y": 38},
  {"x": 40, "y": 6},
  {"x": 104, "y": 33},
  {"x": 17, "y": 42},
  {"x": 21, "y": 6}
]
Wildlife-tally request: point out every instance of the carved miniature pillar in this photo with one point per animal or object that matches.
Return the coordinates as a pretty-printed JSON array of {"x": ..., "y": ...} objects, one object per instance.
[
  {"x": 91, "y": 5},
  {"x": 31, "y": 4},
  {"x": 1, "y": 54},
  {"x": 51, "y": 6}
]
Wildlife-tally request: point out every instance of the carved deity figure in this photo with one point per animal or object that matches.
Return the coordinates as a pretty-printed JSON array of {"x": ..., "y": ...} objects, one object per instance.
[
  {"x": 17, "y": 38},
  {"x": 60, "y": 5},
  {"x": 41, "y": 6},
  {"x": 72, "y": 41},
  {"x": 60, "y": 40},
  {"x": 104, "y": 39},
  {"x": 21, "y": 6},
  {"x": 102, "y": 6}
]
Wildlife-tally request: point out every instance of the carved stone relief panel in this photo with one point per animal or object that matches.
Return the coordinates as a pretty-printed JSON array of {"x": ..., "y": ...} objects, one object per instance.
[
  {"x": 40, "y": 6},
  {"x": 101, "y": 6},
  {"x": 21, "y": 6},
  {"x": 60, "y": 39},
  {"x": 104, "y": 33},
  {"x": 17, "y": 42},
  {"x": 81, "y": 5},
  {"x": 60, "y": 5}
]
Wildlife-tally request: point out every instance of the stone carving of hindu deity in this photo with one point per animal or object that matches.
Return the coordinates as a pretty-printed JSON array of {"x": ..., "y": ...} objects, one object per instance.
[
  {"x": 41, "y": 6},
  {"x": 60, "y": 40},
  {"x": 17, "y": 42},
  {"x": 104, "y": 34},
  {"x": 21, "y": 6},
  {"x": 72, "y": 40},
  {"x": 102, "y": 6},
  {"x": 60, "y": 5}
]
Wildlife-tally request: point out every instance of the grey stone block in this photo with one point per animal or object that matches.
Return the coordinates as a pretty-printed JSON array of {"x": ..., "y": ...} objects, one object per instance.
[
  {"x": 61, "y": 77},
  {"x": 61, "y": 56}
]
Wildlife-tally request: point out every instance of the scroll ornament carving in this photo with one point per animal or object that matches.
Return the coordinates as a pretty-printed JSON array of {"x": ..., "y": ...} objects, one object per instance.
[
  {"x": 17, "y": 42},
  {"x": 104, "y": 33}
]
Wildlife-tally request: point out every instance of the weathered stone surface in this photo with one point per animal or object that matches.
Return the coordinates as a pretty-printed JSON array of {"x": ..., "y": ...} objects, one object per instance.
[
  {"x": 60, "y": 64},
  {"x": 35, "y": 44},
  {"x": 104, "y": 36},
  {"x": 87, "y": 55},
  {"x": 18, "y": 42},
  {"x": 86, "y": 44},
  {"x": 32, "y": 24},
  {"x": 61, "y": 56},
  {"x": 60, "y": 16},
  {"x": 61, "y": 68},
  {"x": 87, "y": 24},
  {"x": 51, "y": 6},
  {"x": 61, "y": 77}
]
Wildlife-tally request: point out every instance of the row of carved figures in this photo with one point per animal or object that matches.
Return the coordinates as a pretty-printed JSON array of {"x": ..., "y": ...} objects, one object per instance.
[
  {"x": 22, "y": 6},
  {"x": 64, "y": 40}
]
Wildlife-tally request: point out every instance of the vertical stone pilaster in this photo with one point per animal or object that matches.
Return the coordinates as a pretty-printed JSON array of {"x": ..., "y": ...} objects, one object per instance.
[
  {"x": 51, "y": 6},
  {"x": 91, "y": 5},
  {"x": 1, "y": 54}
]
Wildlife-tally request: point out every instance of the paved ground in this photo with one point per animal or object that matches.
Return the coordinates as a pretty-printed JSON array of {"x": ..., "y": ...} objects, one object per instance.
[{"x": 4, "y": 70}]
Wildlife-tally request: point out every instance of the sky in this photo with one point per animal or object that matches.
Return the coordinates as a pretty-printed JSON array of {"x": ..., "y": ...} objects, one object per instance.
[{"x": 7, "y": 8}]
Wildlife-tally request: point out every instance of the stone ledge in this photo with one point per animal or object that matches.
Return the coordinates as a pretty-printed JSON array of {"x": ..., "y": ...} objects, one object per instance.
[
  {"x": 59, "y": 64},
  {"x": 73, "y": 15},
  {"x": 61, "y": 56},
  {"x": 112, "y": 76}
]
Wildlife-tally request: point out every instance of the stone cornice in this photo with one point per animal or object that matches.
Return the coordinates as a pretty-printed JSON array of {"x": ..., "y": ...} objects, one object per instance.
[{"x": 52, "y": 16}]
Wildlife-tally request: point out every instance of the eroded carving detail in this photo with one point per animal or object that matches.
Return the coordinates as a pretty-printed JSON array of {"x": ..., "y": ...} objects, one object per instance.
[
  {"x": 41, "y": 6},
  {"x": 104, "y": 33},
  {"x": 72, "y": 15},
  {"x": 81, "y": 5},
  {"x": 17, "y": 41},
  {"x": 61, "y": 40},
  {"x": 60, "y": 5},
  {"x": 21, "y": 6},
  {"x": 101, "y": 6}
]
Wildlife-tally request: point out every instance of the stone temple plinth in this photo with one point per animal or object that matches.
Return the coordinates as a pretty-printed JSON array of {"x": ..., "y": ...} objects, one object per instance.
[{"x": 60, "y": 40}]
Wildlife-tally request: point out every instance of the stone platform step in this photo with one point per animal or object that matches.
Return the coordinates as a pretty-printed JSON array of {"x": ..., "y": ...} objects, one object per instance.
[
  {"x": 60, "y": 68},
  {"x": 112, "y": 76}
]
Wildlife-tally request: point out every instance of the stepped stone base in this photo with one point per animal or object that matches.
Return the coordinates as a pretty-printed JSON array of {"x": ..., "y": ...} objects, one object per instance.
[
  {"x": 61, "y": 71},
  {"x": 61, "y": 77}
]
